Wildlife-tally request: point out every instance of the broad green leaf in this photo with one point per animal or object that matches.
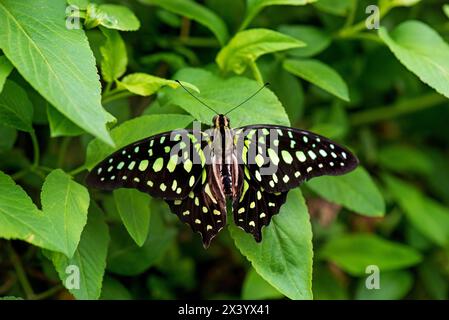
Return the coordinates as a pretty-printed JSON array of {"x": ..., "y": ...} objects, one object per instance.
[
  {"x": 394, "y": 285},
  {"x": 326, "y": 285},
  {"x": 59, "y": 65},
  {"x": 354, "y": 252},
  {"x": 339, "y": 8},
  {"x": 113, "y": 52},
  {"x": 405, "y": 159},
  {"x": 61, "y": 126},
  {"x": 319, "y": 74},
  {"x": 89, "y": 260},
  {"x": 427, "y": 216},
  {"x": 21, "y": 219},
  {"x": 174, "y": 60},
  {"x": 112, "y": 289},
  {"x": 316, "y": 39},
  {"x": 81, "y": 4},
  {"x": 134, "y": 130},
  {"x": 253, "y": 7},
  {"x": 16, "y": 110},
  {"x": 196, "y": 12},
  {"x": 355, "y": 190},
  {"x": 9, "y": 136},
  {"x": 284, "y": 257},
  {"x": 111, "y": 16},
  {"x": 65, "y": 203},
  {"x": 256, "y": 288},
  {"x": 246, "y": 46},
  {"x": 386, "y": 5},
  {"x": 5, "y": 69},
  {"x": 421, "y": 50},
  {"x": 134, "y": 209},
  {"x": 126, "y": 258},
  {"x": 224, "y": 94},
  {"x": 446, "y": 10},
  {"x": 145, "y": 84}
]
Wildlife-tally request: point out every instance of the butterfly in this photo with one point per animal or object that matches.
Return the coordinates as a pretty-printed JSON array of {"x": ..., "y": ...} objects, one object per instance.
[{"x": 196, "y": 171}]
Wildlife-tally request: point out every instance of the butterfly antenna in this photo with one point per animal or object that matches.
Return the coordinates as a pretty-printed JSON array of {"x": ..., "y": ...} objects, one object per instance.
[
  {"x": 249, "y": 98},
  {"x": 196, "y": 98}
]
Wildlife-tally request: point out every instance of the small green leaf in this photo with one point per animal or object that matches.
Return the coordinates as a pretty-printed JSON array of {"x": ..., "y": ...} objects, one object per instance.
[
  {"x": 81, "y": 4},
  {"x": 284, "y": 257},
  {"x": 256, "y": 288},
  {"x": 320, "y": 75},
  {"x": 112, "y": 289},
  {"x": 9, "y": 136},
  {"x": 89, "y": 260},
  {"x": 113, "y": 52},
  {"x": 246, "y": 46},
  {"x": 427, "y": 216},
  {"x": 134, "y": 209},
  {"x": 327, "y": 285},
  {"x": 224, "y": 94},
  {"x": 338, "y": 8},
  {"x": 65, "y": 203},
  {"x": 421, "y": 50},
  {"x": 196, "y": 12},
  {"x": 5, "y": 69},
  {"x": 16, "y": 110},
  {"x": 394, "y": 285},
  {"x": 446, "y": 10},
  {"x": 111, "y": 16},
  {"x": 353, "y": 253},
  {"x": 386, "y": 5},
  {"x": 61, "y": 126},
  {"x": 145, "y": 84},
  {"x": 354, "y": 190},
  {"x": 134, "y": 130},
  {"x": 316, "y": 39},
  {"x": 253, "y": 7},
  {"x": 126, "y": 258},
  {"x": 405, "y": 159},
  {"x": 39, "y": 60}
]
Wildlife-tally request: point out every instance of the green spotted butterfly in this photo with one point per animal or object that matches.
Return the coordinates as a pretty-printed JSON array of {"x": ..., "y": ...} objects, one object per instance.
[{"x": 196, "y": 171}]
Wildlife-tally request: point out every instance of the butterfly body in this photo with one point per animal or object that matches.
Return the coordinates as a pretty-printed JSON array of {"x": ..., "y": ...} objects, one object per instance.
[{"x": 196, "y": 172}]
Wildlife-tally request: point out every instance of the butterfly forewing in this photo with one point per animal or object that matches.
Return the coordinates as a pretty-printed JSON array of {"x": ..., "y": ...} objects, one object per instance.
[{"x": 160, "y": 165}]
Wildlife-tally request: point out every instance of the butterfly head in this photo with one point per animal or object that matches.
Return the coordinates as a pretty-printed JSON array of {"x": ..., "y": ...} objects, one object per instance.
[{"x": 220, "y": 120}]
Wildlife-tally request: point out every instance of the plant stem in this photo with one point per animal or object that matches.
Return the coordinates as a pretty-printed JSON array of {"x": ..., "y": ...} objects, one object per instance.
[
  {"x": 351, "y": 15},
  {"x": 397, "y": 109},
  {"x": 35, "y": 148},
  {"x": 115, "y": 95},
  {"x": 256, "y": 72},
  {"x": 77, "y": 170},
  {"x": 21, "y": 275},
  {"x": 63, "y": 150},
  {"x": 48, "y": 293}
]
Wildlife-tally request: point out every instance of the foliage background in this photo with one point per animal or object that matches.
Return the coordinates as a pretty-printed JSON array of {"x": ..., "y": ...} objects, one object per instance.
[{"x": 381, "y": 92}]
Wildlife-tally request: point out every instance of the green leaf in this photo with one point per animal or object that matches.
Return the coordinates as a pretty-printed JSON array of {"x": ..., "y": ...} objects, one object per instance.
[
  {"x": 21, "y": 219},
  {"x": 426, "y": 215},
  {"x": 316, "y": 39},
  {"x": 113, "y": 52},
  {"x": 196, "y": 12},
  {"x": 111, "y": 16},
  {"x": 339, "y": 8},
  {"x": 89, "y": 258},
  {"x": 39, "y": 60},
  {"x": 134, "y": 130},
  {"x": 446, "y": 10},
  {"x": 5, "y": 69},
  {"x": 320, "y": 75},
  {"x": 353, "y": 253},
  {"x": 61, "y": 126},
  {"x": 326, "y": 285},
  {"x": 421, "y": 50},
  {"x": 354, "y": 190},
  {"x": 65, "y": 203},
  {"x": 386, "y": 5},
  {"x": 126, "y": 258},
  {"x": 16, "y": 110},
  {"x": 134, "y": 209},
  {"x": 256, "y": 288},
  {"x": 9, "y": 136},
  {"x": 284, "y": 257},
  {"x": 253, "y": 7},
  {"x": 394, "y": 285},
  {"x": 81, "y": 4},
  {"x": 224, "y": 94},
  {"x": 405, "y": 159},
  {"x": 246, "y": 46},
  {"x": 145, "y": 84},
  {"x": 113, "y": 290}
]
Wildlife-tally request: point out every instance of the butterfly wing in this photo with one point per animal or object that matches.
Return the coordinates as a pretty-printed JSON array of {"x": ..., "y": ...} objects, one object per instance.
[
  {"x": 167, "y": 165},
  {"x": 276, "y": 159}
]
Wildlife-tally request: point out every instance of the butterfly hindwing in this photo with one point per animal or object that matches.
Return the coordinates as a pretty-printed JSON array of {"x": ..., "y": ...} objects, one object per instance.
[
  {"x": 281, "y": 158},
  {"x": 160, "y": 165}
]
